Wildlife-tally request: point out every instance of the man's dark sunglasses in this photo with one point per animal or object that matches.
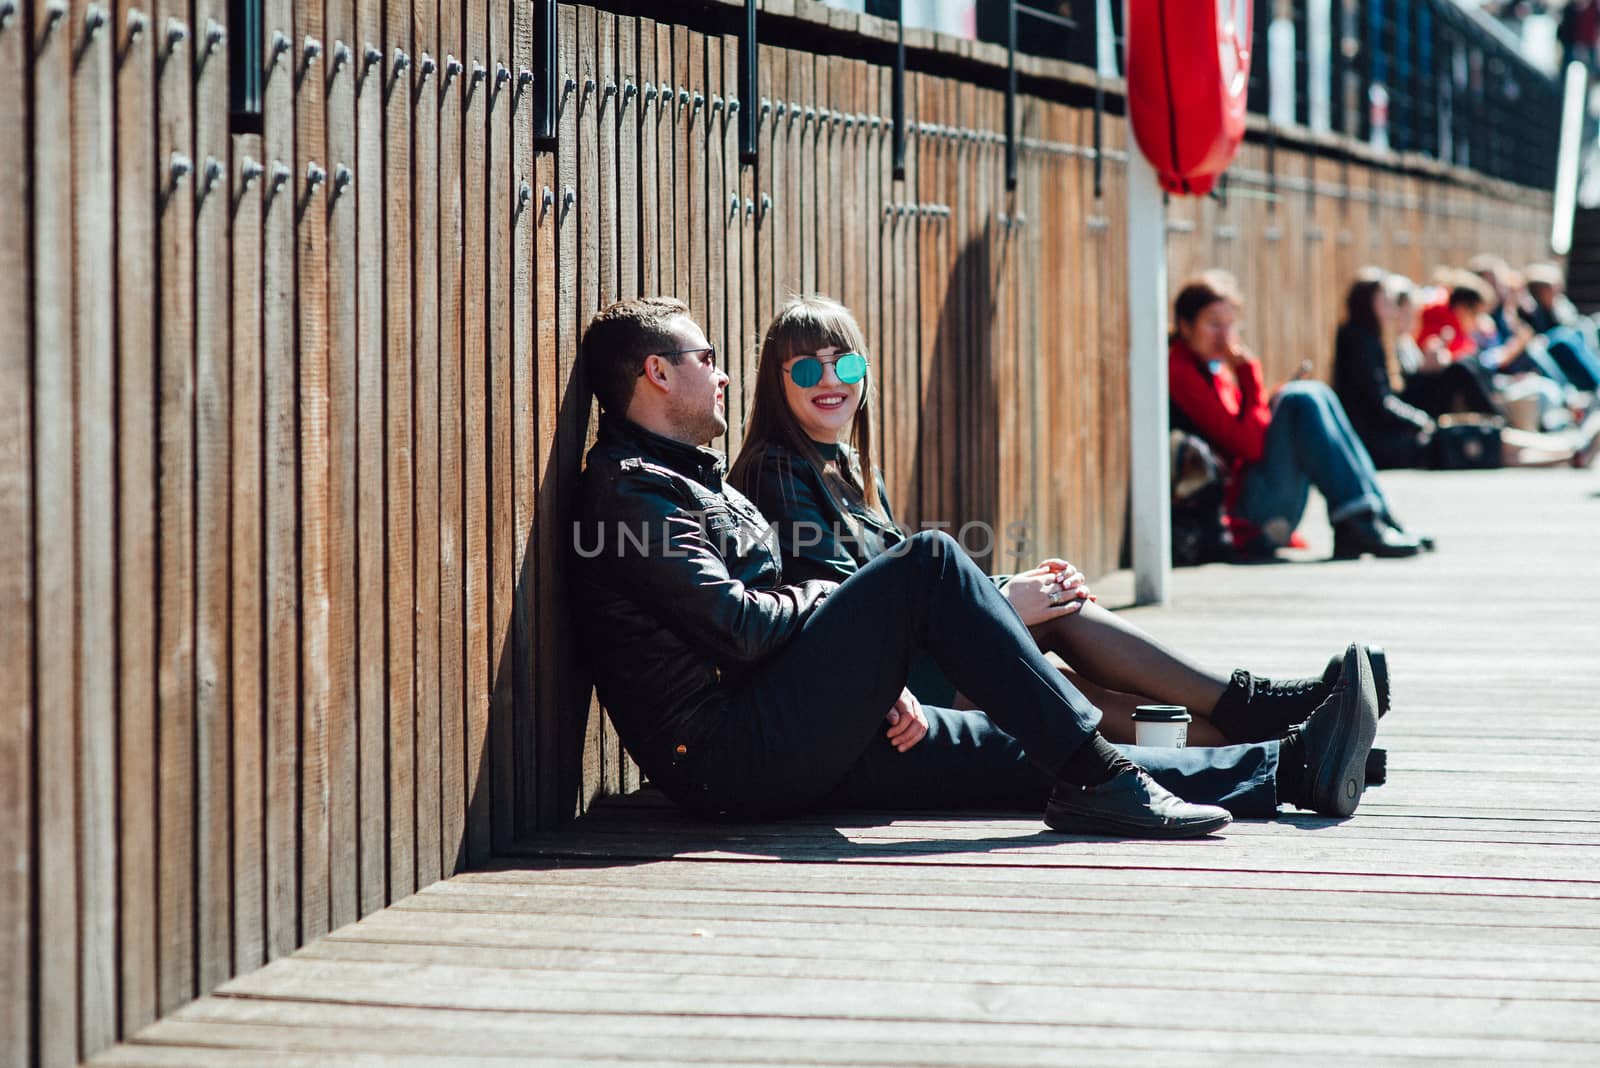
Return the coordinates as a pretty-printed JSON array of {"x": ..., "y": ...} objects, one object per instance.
[{"x": 712, "y": 349}]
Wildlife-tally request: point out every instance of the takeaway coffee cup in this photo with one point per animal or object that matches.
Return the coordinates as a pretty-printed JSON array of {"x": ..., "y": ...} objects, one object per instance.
[{"x": 1162, "y": 725}]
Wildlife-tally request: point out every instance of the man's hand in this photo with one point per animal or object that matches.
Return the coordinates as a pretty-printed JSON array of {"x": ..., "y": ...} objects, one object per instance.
[
  {"x": 1049, "y": 591},
  {"x": 907, "y": 724}
]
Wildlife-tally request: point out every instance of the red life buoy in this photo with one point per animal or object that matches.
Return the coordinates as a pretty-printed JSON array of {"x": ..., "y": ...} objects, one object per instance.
[{"x": 1188, "y": 67}]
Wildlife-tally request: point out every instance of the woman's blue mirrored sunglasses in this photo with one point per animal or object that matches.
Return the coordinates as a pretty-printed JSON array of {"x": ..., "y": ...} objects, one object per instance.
[{"x": 850, "y": 367}]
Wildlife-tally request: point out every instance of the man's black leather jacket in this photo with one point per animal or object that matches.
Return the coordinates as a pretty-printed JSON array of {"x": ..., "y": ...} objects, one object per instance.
[{"x": 679, "y": 588}]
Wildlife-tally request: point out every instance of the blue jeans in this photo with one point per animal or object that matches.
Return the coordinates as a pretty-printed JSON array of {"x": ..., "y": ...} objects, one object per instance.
[
  {"x": 1310, "y": 442},
  {"x": 1571, "y": 352},
  {"x": 806, "y": 727}
]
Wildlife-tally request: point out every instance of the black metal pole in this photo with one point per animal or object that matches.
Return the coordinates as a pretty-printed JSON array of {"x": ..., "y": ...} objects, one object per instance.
[
  {"x": 900, "y": 94},
  {"x": 750, "y": 86},
  {"x": 548, "y": 99},
  {"x": 1011, "y": 95}
]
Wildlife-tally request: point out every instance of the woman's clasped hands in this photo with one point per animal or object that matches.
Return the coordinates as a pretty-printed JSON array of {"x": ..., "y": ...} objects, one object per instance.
[{"x": 1051, "y": 590}]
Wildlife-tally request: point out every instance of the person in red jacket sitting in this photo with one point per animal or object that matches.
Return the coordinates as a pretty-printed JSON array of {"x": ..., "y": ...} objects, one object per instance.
[{"x": 1276, "y": 450}]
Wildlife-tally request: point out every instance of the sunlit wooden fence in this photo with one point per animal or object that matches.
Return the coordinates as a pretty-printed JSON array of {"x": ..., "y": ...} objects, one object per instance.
[{"x": 289, "y": 415}]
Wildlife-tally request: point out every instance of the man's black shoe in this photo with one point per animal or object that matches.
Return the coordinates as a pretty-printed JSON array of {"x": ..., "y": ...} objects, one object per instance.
[
  {"x": 1380, "y": 674},
  {"x": 1377, "y": 766},
  {"x": 1337, "y": 739},
  {"x": 1130, "y": 805},
  {"x": 1368, "y": 534}
]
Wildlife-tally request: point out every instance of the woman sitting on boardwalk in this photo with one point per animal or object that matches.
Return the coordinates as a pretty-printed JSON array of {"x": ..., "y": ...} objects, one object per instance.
[
  {"x": 1276, "y": 450},
  {"x": 1397, "y": 427},
  {"x": 807, "y": 462}
]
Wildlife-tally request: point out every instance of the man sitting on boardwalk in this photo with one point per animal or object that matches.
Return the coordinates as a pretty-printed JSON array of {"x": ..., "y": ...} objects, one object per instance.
[{"x": 740, "y": 695}]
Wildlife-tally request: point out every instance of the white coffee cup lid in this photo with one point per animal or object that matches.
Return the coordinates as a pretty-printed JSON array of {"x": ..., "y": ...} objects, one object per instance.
[{"x": 1161, "y": 714}]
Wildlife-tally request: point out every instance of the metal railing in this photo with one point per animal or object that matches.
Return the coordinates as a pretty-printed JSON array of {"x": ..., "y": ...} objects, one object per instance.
[{"x": 1420, "y": 76}]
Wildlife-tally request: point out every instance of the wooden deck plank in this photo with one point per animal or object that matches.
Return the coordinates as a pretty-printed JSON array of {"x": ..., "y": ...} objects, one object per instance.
[{"x": 1451, "y": 918}]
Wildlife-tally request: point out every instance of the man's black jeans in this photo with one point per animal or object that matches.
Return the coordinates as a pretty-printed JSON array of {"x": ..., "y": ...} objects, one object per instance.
[{"x": 805, "y": 728}]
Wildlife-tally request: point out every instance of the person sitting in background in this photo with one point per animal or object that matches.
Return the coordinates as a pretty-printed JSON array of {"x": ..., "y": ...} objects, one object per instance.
[
  {"x": 1454, "y": 329},
  {"x": 1277, "y": 450},
  {"x": 1555, "y": 317},
  {"x": 1397, "y": 431}
]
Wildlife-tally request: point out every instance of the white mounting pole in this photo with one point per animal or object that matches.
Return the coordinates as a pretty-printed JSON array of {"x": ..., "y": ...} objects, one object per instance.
[
  {"x": 1575, "y": 100},
  {"x": 1151, "y": 486}
]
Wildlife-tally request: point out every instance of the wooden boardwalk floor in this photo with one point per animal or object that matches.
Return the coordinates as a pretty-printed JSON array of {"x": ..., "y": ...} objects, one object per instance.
[{"x": 1455, "y": 917}]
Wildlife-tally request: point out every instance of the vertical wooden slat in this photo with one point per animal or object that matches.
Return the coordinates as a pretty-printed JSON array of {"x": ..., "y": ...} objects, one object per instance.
[
  {"x": 769, "y": 232},
  {"x": 134, "y": 75},
  {"x": 311, "y": 267},
  {"x": 278, "y": 323},
  {"x": 791, "y": 268},
  {"x": 749, "y": 268},
  {"x": 626, "y": 130},
  {"x": 586, "y": 216},
  {"x": 630, "y": 203},
  {"x": 734, "y": 274},
  {"x": 678, "y": 124},
  {"x": 354, "y": 528},
  {"x": 452, "y": 316},
  {"x": 502, "y": 208},
  {"x": 659, "y": 120},
  {"x": 17, "y": 863},
  {"x": 422, "y": 93},
  {"x": 645, "y": 124},
  {"x": 246, "y": 544},
  {"x": 55, "y": 582},
  {"x": 551, "y": 326},
  {"x": 213, "y": 465},
  {"x": 525, "y": 266},
  {"x": 718, "y": 222},
  {"x": 474, "y": 458},
  {"x": 356, "y": 273},
  {"x": 803, "y": 78},
  {"x": 607, "y": 107},
  {"x": 695, "y": 126},
  {"x": 93, "y": 341},
  {"x": 565, "y": 726},
  {"x": 175, "y": 515},
  {"x": 398, "y": 356}
]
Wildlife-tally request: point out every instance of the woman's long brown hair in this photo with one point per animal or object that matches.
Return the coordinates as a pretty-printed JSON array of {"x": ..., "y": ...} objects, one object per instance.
[{"x": 804, "y": 325}]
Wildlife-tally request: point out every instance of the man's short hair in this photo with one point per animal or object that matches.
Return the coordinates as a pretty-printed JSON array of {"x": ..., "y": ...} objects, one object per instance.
[{"x": 617, "y": 341}]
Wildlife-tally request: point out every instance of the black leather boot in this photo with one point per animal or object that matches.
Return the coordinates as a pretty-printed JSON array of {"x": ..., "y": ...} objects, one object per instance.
[{"x": 1368, "y": 533}]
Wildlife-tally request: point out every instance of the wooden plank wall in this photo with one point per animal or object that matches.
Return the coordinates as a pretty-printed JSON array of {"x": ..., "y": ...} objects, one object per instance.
[{"x": 289, "y": 418}]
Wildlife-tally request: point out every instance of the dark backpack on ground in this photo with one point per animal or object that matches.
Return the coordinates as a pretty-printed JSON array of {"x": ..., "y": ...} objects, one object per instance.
[
  {"x": 1199, "y": 525},
  {"x": 1467, "y": 445}
]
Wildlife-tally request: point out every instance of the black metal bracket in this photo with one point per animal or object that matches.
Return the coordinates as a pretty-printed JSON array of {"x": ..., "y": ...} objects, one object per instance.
[
  {"x": 900, "y": 95},
  {"x": 547, "y": 100},
  {"x": 1011, "y": 95},
  {"x": 750, "y": 87}
]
